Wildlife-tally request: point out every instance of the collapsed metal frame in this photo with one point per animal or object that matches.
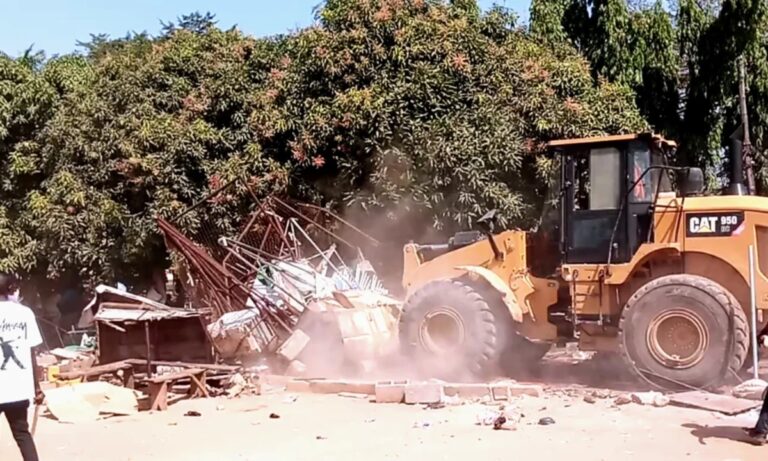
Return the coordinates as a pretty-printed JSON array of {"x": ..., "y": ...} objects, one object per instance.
[{"x": 274, "y": 230}]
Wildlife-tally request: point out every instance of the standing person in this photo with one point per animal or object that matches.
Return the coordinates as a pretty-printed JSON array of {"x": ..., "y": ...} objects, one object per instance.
[
  {"x": 758, "y": 434},
  {"x": 19, "y": 383}
]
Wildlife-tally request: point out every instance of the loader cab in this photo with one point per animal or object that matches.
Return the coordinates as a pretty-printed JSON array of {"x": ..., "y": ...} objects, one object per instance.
[{"x": 606, "y": 195}]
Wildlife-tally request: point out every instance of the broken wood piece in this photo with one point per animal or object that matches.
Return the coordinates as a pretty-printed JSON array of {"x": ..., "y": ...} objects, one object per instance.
[
  {"x": 95, "y": 372},
  {"x": 292, "y": 347},
  {"x": 158, "y": 387},
  {"x": 128, "y": 378},
  {"x": 112, "y": 325},
  {"x": 86, "y": 401},
  {"x": 158, "y": 396},
  {"x": 207, "y": 366},
  {"x": 199, "y": 388}
]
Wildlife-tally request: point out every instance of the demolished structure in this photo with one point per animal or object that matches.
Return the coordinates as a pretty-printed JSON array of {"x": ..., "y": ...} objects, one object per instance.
[
  {"x": 287, "y": 287},
  {"x": 129, "y": 326},
  {"x": 288, "y": 291}
]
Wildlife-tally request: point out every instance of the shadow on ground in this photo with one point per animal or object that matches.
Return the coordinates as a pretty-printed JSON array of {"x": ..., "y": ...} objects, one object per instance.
[
  {"x": 703, "y": 433},
  {"x": 600, "y": 371}
]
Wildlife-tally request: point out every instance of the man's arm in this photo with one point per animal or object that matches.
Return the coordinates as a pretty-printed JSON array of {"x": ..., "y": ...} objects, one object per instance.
[
  {"x": 36, "y": 377},
  {"x": 34, "y": 340},
  {"x": 762, "y": 337}
]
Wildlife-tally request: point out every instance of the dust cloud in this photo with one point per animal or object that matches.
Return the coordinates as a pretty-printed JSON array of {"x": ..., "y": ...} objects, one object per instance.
[{"x": 393, "y": 227}]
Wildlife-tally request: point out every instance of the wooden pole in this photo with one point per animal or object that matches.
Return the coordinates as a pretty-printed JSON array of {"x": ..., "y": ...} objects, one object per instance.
[
  {"x": 149, "y": 349},
  {"x": 746, "y": 150}
]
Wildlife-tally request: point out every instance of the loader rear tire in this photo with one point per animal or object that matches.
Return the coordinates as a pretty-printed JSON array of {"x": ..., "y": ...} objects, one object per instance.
[
  {"x": 450, "y": 331},
  {"x": 684, "y": 331}
]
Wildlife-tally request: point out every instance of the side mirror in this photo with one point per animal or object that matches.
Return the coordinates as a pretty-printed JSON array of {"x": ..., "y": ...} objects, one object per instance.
[
  {"x": 487, "y": 221},
  {"x": 691, "y": 181}
]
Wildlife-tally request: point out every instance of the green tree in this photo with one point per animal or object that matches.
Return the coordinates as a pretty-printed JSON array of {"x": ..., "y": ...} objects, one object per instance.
[
  {"x": 423, "y": 112},
  {"x": 160, "y": 123},
  {"x": 683, "y": 72},
  {"x": 426, "y": 112}
]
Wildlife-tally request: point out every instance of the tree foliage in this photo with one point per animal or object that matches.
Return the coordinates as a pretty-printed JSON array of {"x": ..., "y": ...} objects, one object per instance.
[
  {"x": 681, "y": 65},
  {"x": 421, "y": 111}
]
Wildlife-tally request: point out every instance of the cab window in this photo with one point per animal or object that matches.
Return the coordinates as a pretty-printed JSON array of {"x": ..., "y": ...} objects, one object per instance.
[
  {"x": 640, "y": 159},
  {"x": 605, "y": 178}
]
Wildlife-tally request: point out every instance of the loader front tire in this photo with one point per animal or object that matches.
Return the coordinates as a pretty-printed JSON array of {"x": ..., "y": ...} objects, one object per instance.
[
  {"x": 448, "y": 330},
  {"x": 684, "y": 331}
]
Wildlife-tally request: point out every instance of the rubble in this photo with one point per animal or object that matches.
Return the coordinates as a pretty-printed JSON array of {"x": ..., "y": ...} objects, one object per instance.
[
  {"x": 90, "y": 401},
  {"x": 278, "y": 291},
  {"x": 546, "y": 421},
  {"x": 655, "y": 399},
  {"x": 602, "y": 394},
  {"x": 281, "y": 288},
  {"x": 236, "y": 385},
  {"x": 623, "y": 399}
]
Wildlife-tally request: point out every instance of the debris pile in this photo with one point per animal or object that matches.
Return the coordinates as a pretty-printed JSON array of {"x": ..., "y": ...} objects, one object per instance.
[
  {"x": 282, "y": 289},
  {"x": 285, "y": 292},
  {"x": 125, "y": 387}
]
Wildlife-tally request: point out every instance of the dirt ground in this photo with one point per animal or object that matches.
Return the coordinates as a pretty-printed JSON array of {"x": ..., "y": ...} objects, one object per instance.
[
  {"x": 331, "y": 427},
  {"x": 338, "y": 428}
]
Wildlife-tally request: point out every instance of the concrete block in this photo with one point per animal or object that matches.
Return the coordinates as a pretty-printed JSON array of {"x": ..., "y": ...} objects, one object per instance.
[
  {"x": 423, "y": 393},
  {"x": 359, "y": 387},
  {"x": 500, "y": 392},
  {"x": 297, "y": 386},
  {"x": 293, "y": 346},
  {"x": 323, "y": 386},
  {"x": 390, "y": 391},
  {"x": 467, "y": 391},
  {"x": 531, "y": 390}
]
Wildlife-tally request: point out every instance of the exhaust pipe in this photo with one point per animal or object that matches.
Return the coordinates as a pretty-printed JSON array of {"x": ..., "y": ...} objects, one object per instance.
[{"x": 736, "y": 186}]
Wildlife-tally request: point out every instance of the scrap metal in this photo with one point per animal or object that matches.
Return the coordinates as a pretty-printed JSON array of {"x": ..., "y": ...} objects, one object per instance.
[{"x": 259, "y": 282}]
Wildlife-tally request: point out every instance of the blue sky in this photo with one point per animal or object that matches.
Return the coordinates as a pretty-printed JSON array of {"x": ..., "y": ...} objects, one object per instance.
[{"x": 55, "y": 26}]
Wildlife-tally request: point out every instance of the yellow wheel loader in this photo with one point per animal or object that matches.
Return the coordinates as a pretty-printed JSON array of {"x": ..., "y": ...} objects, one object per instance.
[{"x": 630, "y": 258}]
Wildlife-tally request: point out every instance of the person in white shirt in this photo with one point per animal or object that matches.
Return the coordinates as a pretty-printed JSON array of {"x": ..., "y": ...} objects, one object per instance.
[
  {"x": 19, "y": 383},
  {"x": 757, "y": 435}
]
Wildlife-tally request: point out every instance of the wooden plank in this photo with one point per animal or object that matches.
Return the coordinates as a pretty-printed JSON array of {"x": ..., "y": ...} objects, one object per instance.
[
  {"x": 128, "y": 379},
  {"x": 191, "y": 373},
  {"x": 95, "y": 371},
  {"x": 207, "y": 366},
  {"x": 158, "y": 396},
  {"x": 725, "y": 404},
  {"x": 198, "y": 388}
]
